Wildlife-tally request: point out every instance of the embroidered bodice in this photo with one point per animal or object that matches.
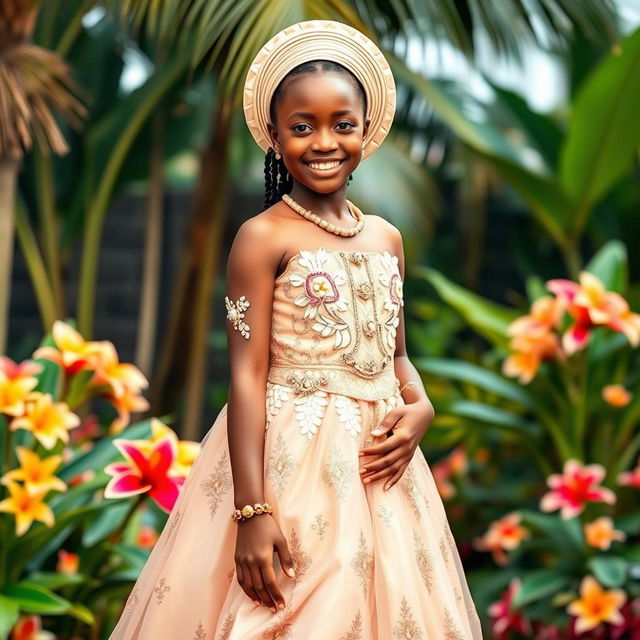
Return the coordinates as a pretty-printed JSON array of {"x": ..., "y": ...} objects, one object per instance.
[{"x": 335, "y": 314}]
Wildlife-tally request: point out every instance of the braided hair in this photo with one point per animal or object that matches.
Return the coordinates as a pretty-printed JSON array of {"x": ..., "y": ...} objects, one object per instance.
[{"x": 277, "y": 180}]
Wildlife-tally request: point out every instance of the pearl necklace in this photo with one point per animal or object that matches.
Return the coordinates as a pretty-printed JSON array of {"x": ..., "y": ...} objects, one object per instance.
[{"x": 321, "y": 222}]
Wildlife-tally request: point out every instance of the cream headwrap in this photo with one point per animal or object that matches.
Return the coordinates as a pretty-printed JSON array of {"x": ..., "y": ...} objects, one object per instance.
[{"x": 320, "y": 40}]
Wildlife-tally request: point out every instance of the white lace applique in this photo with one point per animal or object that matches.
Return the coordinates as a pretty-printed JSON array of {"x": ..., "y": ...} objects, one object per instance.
[
  {"x": 349, "y": 413},
  {"x": 393, "y": 300},
  {"x": 235, "y": 314},
  {"x": 310, "y": 411},
  {"x": 276, "y": 395}
]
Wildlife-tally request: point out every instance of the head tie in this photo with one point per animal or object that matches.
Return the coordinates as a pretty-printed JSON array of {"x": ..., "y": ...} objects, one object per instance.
[{"x": 320, "y": 40}]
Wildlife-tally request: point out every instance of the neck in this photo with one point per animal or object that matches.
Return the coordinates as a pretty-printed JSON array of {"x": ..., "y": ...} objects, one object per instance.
[{"x": 326, "y": 205}]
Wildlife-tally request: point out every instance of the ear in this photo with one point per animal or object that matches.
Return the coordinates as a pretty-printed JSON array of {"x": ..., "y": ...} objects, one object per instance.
[
  {"x": 365, "y": 127},
  {"x": 273, "y": 135}
]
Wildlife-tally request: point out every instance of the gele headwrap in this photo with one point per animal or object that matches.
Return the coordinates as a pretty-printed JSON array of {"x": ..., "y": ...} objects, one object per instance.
[{"x": 320, "y": 40}]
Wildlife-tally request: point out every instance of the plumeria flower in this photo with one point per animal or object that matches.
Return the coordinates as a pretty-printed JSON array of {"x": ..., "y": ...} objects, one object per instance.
[
  {"x": 504, "y": 619},
  {"x": 26, "y": 507},
  {"x": 118, "y": 375},
  {"x": 147, "y": 469},
  {"x": 630, "y": 478},
  {"x": 600, "y": 533},
  {"x": 49, "y": 421},
  {"x": 577, "y": 485},
  {"x": 591, "y": 305},
  {"x": 36, "y": 472},
  {"x": 453, "y": 464},
  {"x": 596, "y": 605},
  {"x": 16, "y": 382},
  {"x": 68, "y": 563},
  {"x": 126, "y": 404},
  {"x": 503, "y": 534},
  {"x": 616, "y": 395},
  {"x": 28, "y": 628},
  {"x": 72, "y": 352},
  {"x": 529, "y": 351}
]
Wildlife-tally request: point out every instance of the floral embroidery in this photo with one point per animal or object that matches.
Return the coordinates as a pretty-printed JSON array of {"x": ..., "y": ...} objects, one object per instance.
[
  {"x": 279, "y": 630},
  {"x": 227, "y": 627},
  {"x": 235, "y": 314},
  {"x": 172, "y": 525},
  {"x": 425, "y": 561},
  {"x": 280, "y": 465},
  {"x": 200, "y": 633},
  {"x": 362, "y": 563},
  {"x": 409, "y": 487},
  {"x": 338, "y": 472},
  {"x": 443, "y": 549},
  {"x": 349, "y": 413},
  {"x": 310, "y": 411},
  {"x": 356, "y": 629},
  {"x": 391, "y": 279},
  {"x": 449, "y": 536},
  {"x": 133, "y": 599},
  {"x": 320, "y": 525},
  {"x": 451, "y": 632},
  {"x": 407, "y": 628},
  {"x": 276, "y": 395},
  {"x": 160, "y": 590},
  {"x": 217, "y": 483},
  {"x": 385, "y": 514},
  {"x": 301, "y": 559}
]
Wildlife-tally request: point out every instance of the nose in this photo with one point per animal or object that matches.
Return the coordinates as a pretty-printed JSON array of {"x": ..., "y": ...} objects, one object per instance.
[{"x": 324, "y": 140}]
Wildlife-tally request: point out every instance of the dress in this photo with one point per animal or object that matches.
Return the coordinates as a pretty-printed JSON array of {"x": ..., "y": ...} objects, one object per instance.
[{"x": 370, "y": 564}]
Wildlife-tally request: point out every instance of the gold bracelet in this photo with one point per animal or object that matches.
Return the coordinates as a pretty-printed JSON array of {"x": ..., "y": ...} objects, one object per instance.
[
  {"x": 249, "y": 511},
  {"x": 406, "y": 384}
]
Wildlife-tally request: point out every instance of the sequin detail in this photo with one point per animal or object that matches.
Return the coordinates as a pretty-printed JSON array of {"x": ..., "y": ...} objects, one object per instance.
[{"x": 235, "y": 314}]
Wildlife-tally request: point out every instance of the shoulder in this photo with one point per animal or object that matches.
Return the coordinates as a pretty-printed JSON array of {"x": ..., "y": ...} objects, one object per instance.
[{"x": 391, "y": 232}]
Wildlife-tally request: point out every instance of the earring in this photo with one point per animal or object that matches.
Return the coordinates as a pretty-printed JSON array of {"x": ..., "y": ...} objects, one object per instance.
[
  {"x": 362, "y": 152},
  {"x": 278, "y": 156}
]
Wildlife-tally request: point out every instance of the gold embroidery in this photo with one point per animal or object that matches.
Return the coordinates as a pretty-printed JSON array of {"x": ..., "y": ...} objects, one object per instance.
[
  {"x": 306, "y": 383},
  {"x": 443, "y": 550},
  {"x": 227, "y": 626},
  {"x": 320, "y": 525},
  {"x": 369, "y": 328},
  {"x": 279, "y": 630},
  {"x": 133, "y": 599},
  {"x": 450, "y": 540},
  {"x": 409, "y": 487},
  {"x": 172, "y": 525},
  {"x": 407, "y": 628},
  {"x": 338, "y": 472},
  {"x": 160, "y": 590},
  {"x": 200, "y": 633},
  {"x": 356, "y": 629},
  {"x": 385, "y": 514},
  {"x": 235, "y": 314},
  {"x": 451, "y": 632},
  {"x": 217, "y": 484},
  {"x": 425, "y": 560},
  {"x": 364, "y": 290},
  {"x": 363, "y": 564},
  {"x": 280, "y": 465},
  {"x": 301, "y": 559},
  {"x": 349, "y": 413}
]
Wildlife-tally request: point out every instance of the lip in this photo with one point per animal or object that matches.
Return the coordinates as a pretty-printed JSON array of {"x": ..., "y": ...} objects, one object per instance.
[{"x": 326, "y": 172}]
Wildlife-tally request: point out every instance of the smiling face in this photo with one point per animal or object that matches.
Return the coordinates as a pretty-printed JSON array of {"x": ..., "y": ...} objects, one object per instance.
[{"x": 319, "y": 129}]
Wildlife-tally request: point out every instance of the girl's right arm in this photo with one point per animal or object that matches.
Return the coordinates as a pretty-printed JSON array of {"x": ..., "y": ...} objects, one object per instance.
[{"x": 251, "y": 268}]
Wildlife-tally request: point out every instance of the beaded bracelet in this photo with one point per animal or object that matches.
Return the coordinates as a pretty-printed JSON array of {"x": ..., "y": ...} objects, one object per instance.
[{"x": 249, "y": 511}]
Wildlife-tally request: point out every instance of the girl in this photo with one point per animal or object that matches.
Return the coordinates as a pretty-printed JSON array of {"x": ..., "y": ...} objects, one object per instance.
[{"x": 311, "y": 512}]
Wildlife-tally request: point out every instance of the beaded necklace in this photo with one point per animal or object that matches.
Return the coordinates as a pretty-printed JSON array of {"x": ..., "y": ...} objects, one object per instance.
[{"x": 321, "y": 222}]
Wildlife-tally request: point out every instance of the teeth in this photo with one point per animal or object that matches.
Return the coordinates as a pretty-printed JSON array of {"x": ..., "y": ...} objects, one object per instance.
[{"x": 323, "y": 165}]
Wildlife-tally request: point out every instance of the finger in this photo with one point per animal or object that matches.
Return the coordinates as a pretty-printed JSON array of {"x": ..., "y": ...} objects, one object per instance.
[
  {"x": 379, "y": 448},
  {"x": 383, "y": 473},
  {"x": 396, "y": 476},
  {"x": 247, "y": 584},
  {"x": 256, "y": 577},
  {"x": 381, "y": 463},
  {"x": 270, "y": 584}
]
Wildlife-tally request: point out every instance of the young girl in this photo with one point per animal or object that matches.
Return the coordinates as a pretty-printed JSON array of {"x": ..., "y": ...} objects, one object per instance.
[{"x": 311, "y": 512}]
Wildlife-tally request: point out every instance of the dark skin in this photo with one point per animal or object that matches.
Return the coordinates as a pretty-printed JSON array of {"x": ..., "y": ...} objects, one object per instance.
[{"x": 320, "y": 116}]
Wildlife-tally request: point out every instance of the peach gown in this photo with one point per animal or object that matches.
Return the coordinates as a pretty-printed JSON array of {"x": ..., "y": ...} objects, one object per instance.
[{"x": 370, "y": 564}]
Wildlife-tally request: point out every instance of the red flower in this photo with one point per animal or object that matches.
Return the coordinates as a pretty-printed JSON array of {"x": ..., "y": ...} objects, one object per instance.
[{"x": 503, "y": 618}]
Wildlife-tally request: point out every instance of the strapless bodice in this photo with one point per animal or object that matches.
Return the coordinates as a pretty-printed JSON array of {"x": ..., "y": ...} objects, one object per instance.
[{"x": 335, "y": 314}]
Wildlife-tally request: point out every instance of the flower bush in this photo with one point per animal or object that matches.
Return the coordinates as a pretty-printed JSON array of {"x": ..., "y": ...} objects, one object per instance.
[{"x": 75, "y": 522}]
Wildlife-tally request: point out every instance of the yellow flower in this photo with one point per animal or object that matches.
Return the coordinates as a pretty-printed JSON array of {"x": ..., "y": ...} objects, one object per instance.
[
  {"x": 600, "y": 533},
  {"x": 48, "y": 421},
  {"x": 125, "y": 404},
  {"x": 118, "y": 375},
  {"x": 37, "y": 473},
  {"x": 26, "y": 507},
  {"x": 596, "y": 605},
  {"x": 616, "y": 395}
]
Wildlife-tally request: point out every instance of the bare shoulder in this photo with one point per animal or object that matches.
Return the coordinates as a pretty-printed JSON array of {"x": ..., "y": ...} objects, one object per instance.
[{"x": 387, "y": 229}]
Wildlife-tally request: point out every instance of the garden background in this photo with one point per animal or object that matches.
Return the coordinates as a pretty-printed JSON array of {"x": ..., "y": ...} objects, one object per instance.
[{"x": 512, "y": 172}]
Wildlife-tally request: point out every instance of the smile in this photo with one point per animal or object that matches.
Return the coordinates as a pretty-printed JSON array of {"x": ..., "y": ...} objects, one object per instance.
[{"x": 324, "y": 166}]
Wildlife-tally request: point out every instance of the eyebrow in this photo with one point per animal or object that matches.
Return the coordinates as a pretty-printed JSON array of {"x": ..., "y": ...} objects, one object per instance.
[{"x": 306, "y": 114}]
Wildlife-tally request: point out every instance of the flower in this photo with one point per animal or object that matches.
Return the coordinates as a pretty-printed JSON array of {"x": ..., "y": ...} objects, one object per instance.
[
  {"x": 26, "y": 507},
  {"x": 577, "y": 485},
  {"x": 596, "y": 605},
  {"x": 630, "y": 478},
  {"x": 453, "y": 464},
  {"x": 629, "y": 628},
  {"x": 600, "y": 533},
  {"x": 616, "y": 395},
  {"x": 147, "y": 469},
  {"x": 16, "y": 381},
  {"x": 36, "y": 472},
  {"x": 590, "y": 305},
  {"x": 503, "y": 618},
  {"x": 125, "y": 404},
  {"x": 503, "y": 534},
  {"x": 68, "y": 562},
  {"x": 72, "y": 352},
  {"x": 28, "y": 628},
  {"x": 147, "y": 537},
  {"x": 120, "y": 376},
  {"x": 49, "y": 421},
  {"x": 186, "y": 450}
]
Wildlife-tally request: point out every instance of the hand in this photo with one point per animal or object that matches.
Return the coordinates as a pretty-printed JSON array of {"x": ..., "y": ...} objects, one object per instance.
[
  {"x": 255, "y": 544},
  {"x": 409, "y": 423}
]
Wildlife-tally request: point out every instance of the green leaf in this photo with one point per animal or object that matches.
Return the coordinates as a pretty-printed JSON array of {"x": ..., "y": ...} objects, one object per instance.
[
  {"x": 105, "y": 522},
  {"x": 8, "y": 615},
  {"x": 54, "y": 579},
  {"x": 610, "y": 264},
  {"x": 82, "y": 613},
  {"x": 559, "y": 530},
  {"x": 487, "y": 318},
  {"x": 494, "y": 416},
  {"x": 610, "y": 571},
  {"x": 33, "y": 598},
  {"x": 473, "y": 374},
  {"x": 539, "y": 584}
]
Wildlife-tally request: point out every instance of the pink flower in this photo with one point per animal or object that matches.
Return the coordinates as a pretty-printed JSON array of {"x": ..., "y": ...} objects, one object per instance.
[
  {"x": 147, "y": 469},
  {"x": 503, "y": 618},
  {"x": 577, "y": 485},
  {"x": 630, "y": 478}
]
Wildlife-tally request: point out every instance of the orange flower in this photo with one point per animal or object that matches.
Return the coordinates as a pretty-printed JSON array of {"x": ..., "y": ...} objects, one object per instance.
[
  {"x": 28, "y": 628},
  {"x": 529, "y": 351},
  {"x": 26, "y": 507},
  {"x": 48, "y": 421},
  {"x": 118, "y": 375},
  {"x": 616, "y": 395},
  {"x": 600, "y": 533},
  {"x": 503, "y": 534},
  {"x": 72, "y": 352},
  {"x": 453, "y": 464},
  {"x": 36, "y": 472},
  {"x": 129, "y": 402},
  {"x": 16, "y": 381},
  {"x": 596, "y": 605},
  {"x": 147, "y": 537},
  {"x": 68, "y": 562}
]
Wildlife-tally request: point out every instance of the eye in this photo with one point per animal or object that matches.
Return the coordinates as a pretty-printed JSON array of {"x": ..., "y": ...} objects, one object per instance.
[
  {"x": 350, "y": 124},
  {"x": 301, "y": 124}
]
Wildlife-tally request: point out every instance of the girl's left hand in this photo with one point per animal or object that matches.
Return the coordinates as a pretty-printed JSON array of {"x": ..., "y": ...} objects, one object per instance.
[{"x": 409, "y": 423}]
